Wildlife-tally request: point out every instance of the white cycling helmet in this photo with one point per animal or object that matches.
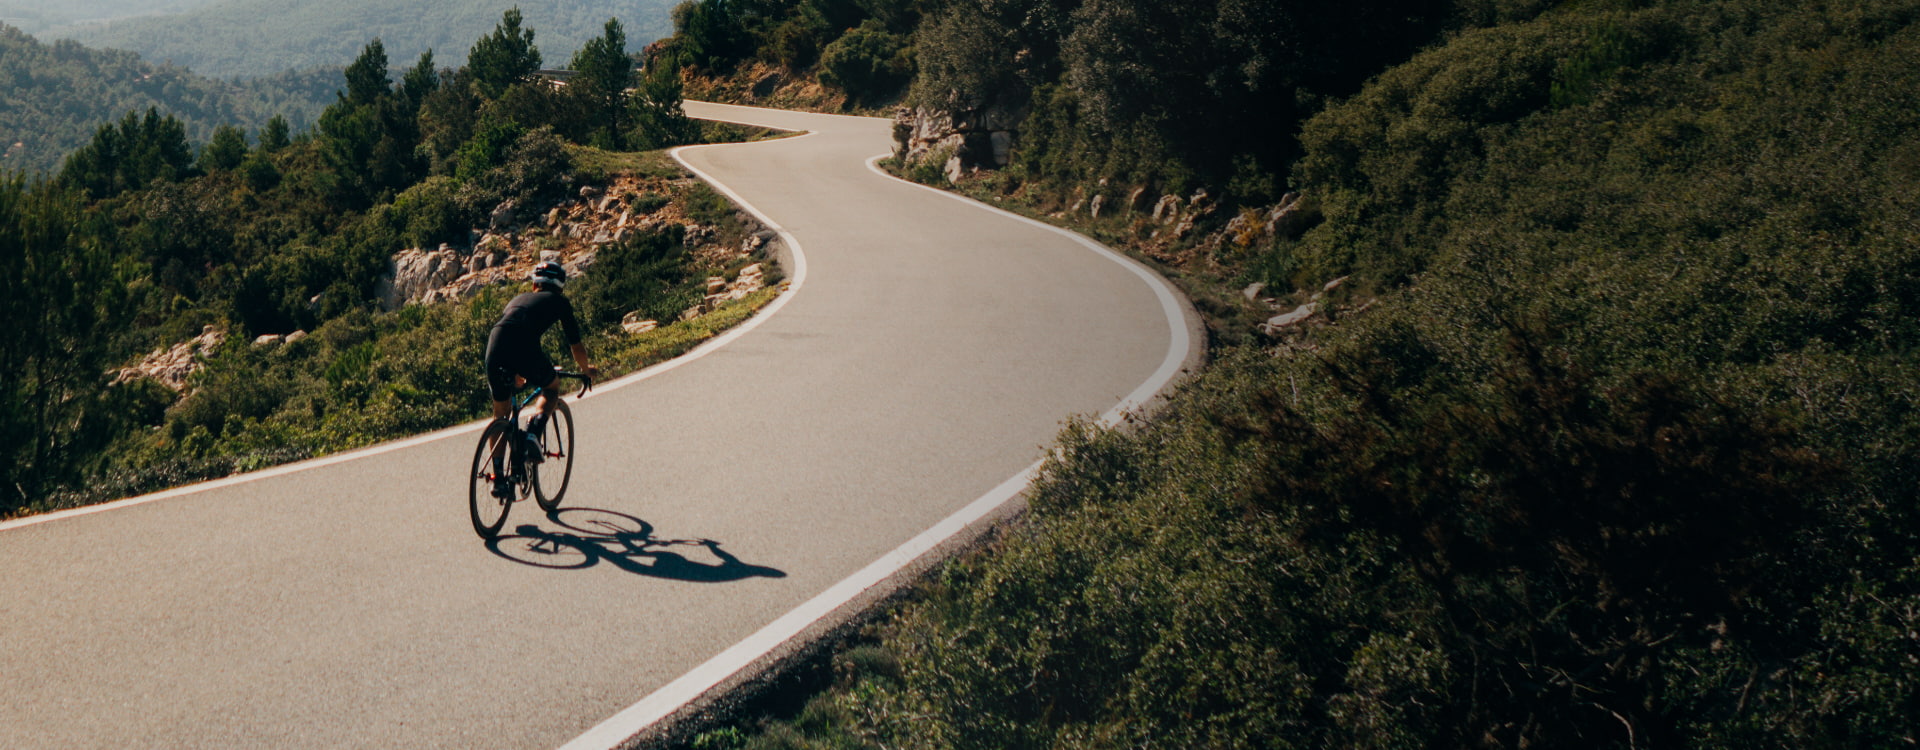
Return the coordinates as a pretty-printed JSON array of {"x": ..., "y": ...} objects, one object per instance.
[{"x": 549, "y": 273}]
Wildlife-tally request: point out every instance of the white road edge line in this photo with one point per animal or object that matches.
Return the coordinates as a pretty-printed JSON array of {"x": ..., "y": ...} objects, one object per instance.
[
  {"x": 798, "y": 276},
  {"x": 688, "y": 687},
  {"x": 1177, "y": 346}
]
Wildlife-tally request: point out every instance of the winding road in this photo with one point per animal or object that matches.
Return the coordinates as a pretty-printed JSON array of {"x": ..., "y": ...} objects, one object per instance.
[{"x": 928, "y": 352}]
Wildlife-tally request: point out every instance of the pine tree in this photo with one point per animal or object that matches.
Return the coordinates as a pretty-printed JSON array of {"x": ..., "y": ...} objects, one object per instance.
[
  {"x": 503, "y": 58},
  {"x": 273, "y": 135},
  {"x": 367, "y": 76},
  {"x": 604, "y": 75},
  {"x": 658, "y": 119},
  {"x": 420, "y": 81},
  {"x": 225, "y": 151}
]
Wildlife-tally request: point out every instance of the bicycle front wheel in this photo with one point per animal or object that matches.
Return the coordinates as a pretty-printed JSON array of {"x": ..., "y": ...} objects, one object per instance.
[
  {"x": 555, "y": 469},
  {"x": 490, "y": 492}
]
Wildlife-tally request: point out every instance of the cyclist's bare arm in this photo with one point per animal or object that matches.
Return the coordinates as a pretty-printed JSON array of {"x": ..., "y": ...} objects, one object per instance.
[{"x": 580, "y": 358}]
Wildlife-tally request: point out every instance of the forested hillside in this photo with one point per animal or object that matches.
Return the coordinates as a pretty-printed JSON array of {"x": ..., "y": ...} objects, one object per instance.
[
  {"x": 53, "y": 97},
  {"x": 254, "y": 38},
  {"x": 149, "y": 248},
  {"x": 1591, "y": 419}
]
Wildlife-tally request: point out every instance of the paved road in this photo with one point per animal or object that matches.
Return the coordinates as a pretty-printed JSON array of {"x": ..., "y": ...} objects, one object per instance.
[{"x": 931, "y": 351}]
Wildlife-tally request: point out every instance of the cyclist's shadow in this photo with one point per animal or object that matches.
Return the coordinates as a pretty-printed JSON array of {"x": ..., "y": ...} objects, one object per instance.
[{"x": 585, "y": 536}]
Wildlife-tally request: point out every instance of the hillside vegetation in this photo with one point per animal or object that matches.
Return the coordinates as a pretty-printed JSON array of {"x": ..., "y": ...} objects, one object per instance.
[
  {"x": 54, "y": 96},
  {"x": 1607, "y": 439},
  {"x": 145, "y": 240},
  {"x": 256, "y": 38}
]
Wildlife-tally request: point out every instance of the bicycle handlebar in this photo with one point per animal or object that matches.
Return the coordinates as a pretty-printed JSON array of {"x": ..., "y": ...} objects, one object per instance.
[{"x": 586, "y": 381}]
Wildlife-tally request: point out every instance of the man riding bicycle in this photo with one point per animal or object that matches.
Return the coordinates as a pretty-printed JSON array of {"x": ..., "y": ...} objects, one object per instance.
[{"x": 514, "y": 355}]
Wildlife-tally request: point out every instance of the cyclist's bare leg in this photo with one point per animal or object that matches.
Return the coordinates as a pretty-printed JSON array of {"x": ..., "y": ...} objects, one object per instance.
[
  {"x": 545, "y": 402},
  {"x": 502, "y": 408}
]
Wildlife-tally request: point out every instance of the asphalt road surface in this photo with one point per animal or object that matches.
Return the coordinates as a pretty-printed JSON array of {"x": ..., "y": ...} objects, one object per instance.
[{"x": 930, "y": 352}]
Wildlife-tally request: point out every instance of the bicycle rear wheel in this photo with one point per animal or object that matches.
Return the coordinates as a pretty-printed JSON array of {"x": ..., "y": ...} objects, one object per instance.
[
  {"x": 489, "y": 493},
  {"x": 555, "y": 470}
]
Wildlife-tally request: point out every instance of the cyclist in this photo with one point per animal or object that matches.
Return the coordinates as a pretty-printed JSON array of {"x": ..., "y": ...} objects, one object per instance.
[{"x": 514, "y": 356}]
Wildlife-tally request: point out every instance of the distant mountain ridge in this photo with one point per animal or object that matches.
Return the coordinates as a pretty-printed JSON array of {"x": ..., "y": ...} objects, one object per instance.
[
  {"x": 38, "y": 17},
  {"x": 255, "y": 38},
  {"x": 54, "y": 96}
]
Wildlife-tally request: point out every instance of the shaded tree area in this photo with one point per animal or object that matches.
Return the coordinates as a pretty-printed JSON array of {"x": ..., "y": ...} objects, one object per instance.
[
  {"x": 64, "y": 297},
  {"x": 862, "y": 47},
  {"x": 147, "y": 234},
  {"x": 137, "y": 151},
  {"x": 1174, "y": 95},
  {"x": 1604, "y": 436},
  {"x": 1184, "y": 95}
]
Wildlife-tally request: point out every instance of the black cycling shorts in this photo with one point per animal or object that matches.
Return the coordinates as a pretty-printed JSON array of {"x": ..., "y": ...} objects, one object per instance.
[{"x": 509, "y": 355}]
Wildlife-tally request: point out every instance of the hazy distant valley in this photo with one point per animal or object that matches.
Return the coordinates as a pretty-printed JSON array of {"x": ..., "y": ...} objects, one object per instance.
[
  {"x": 255, "y": 38},
  {"x": 53, "y": 19}
]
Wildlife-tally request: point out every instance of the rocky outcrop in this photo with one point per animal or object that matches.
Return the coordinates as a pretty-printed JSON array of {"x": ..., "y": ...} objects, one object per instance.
[
  {"x": 964, "y": 138},
  {"x": 1277, "y": 323},
  {"x": 570, "y": 232},
  {"x": 1178, "y": 217},
  {"x": 766, "y": 84},
  {"x": 720, "y": 291},
  {"x": 634, "y": 325},
  {"x": 413, "y": 274},
  {"x": 173, "y": 365},
  {"x": 750, "y": 279},
  {"x": 1290, "y": 217},
  {"x": 1317, "y": 308}
]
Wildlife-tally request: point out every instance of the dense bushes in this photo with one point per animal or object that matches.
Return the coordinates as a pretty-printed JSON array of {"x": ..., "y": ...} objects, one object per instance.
[{"x": 1620, "y": 453}]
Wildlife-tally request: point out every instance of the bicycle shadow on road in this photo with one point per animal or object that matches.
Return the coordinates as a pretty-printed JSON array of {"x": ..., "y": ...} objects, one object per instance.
[{"x": 584, "y": 537}]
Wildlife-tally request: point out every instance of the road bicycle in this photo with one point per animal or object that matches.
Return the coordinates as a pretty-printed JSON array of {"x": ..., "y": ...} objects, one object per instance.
[{"x": 513, "y": 461}]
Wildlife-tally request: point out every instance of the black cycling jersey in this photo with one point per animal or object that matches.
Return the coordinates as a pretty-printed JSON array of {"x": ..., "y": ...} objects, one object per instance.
[
  {"x": 513, "y": 346},
  {"x": 531, "y": 314}
]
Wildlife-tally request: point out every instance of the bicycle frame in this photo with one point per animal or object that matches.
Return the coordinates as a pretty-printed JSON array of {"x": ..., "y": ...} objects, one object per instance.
[
  {"x": 519, "y": 401},
  {"x": 507, "y": 463}
]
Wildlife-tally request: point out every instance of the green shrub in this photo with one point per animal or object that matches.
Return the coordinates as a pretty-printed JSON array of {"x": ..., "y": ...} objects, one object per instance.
[
  {"x": 795, "y": 43},
  {"x": 528, "y": 170},
  {"x": 430, "y": 213},
  {"x": 647, "y": 272},
  {"x": 706, "y": 206},
  {"x": 647, "y": 203},
  {"x": 965, "y": 56},
  {"x": 486, "y": 150},
  {"x": 868, "y": 62}
]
